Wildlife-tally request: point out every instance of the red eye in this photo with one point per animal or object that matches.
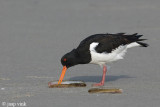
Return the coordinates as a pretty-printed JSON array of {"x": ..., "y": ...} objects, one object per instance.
[{"x": 64, "y": 59}]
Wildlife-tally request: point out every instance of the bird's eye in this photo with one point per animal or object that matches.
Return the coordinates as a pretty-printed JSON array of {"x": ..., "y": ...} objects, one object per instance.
[{"x": 65, "y": 59}]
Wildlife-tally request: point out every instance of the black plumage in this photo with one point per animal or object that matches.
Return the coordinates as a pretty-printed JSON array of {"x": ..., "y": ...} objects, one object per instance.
[{"x": 108, "y": 42}]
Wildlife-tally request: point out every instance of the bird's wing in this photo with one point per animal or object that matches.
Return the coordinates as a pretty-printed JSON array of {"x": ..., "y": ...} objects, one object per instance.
[{"x": 110, "y": 42}]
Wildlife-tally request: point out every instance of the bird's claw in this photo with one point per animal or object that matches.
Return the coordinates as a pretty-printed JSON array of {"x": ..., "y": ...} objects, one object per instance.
[{"x": 98, "y": 84}]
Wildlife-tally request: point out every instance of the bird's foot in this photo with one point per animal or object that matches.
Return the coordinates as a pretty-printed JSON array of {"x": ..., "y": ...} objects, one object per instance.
[{"x": 98, "y": 84}]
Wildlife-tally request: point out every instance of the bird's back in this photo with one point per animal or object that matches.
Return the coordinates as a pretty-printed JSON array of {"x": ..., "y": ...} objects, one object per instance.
[
  {"x": 108, "y": 42},
  {"x": 111, "y": 44}
]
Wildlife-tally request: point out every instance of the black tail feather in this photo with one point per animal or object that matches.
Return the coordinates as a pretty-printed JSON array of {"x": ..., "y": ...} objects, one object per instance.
[
  {"x": 135, "y": 38},
  {"x": 143, "y": 44},
  {"x": 141, "y": 39},
  {"x": 132, "y": 38}
]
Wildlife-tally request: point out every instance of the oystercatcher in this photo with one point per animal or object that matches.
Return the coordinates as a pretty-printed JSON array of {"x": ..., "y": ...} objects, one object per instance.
[{"x": 100, "y": 49}]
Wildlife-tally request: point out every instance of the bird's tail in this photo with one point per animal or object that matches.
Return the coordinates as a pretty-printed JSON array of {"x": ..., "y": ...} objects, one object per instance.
[
  {"x": 136, "y": 38},
  {"x": 143, "y": 44}
]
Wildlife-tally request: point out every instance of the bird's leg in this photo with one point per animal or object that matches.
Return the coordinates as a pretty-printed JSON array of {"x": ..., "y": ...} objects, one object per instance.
[{"x": 103, "y": 77}]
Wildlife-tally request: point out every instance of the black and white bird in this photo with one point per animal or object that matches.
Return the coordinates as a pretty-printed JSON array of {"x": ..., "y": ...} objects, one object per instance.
[{"x": 101, "y": 49}]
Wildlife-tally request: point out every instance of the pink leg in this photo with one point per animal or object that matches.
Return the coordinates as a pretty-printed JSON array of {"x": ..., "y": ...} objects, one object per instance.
[{"x": 103, "y": 77}]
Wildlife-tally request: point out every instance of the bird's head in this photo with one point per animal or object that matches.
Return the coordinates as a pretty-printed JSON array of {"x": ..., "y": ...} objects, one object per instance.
[{"x": 68, "y": 60}]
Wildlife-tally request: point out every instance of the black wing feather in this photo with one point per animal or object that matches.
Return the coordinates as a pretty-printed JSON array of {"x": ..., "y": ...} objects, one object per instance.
[
  {"x": 109, "y": 42},
  {"x": 113, "y": 41}
]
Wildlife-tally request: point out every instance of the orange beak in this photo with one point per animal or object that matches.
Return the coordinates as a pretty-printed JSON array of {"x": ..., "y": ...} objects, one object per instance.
[{"x": 62, "y": 74}]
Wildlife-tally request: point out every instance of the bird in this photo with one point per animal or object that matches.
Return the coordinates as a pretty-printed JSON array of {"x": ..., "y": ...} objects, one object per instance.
[{"x": 101, "y": 49}]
